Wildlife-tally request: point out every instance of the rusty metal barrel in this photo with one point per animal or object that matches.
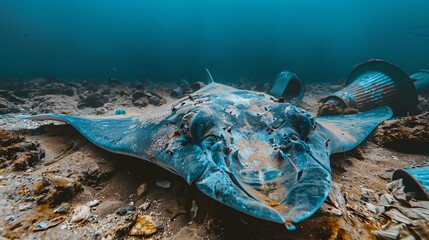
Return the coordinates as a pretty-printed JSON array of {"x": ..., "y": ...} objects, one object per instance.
[
  {"x": 289, "y": 86},
  {"x": 377, "y": 83},
  {"x": 421, "y": 80}
]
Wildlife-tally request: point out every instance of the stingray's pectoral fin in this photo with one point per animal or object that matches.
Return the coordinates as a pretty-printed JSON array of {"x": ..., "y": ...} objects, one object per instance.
[
  {"x": 346, "y": 132},
  {"x": 308, "y": 194},
  {"x": 115, "y": 135},
  {"x": 218, "y": 185}
]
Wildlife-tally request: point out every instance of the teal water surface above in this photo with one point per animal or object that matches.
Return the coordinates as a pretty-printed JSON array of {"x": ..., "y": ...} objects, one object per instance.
[{"x": 167, "y": 40}]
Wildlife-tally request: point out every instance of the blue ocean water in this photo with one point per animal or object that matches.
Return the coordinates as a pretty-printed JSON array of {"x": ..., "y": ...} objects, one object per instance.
[{"x": 165, "y": 40}]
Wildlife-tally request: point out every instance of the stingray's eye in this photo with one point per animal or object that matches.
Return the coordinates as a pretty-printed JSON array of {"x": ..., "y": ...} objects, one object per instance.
[
  {"x": 185, "y": 123},
  {"x": 302, "y": 121},
  {"x": 196, "y": 125}
]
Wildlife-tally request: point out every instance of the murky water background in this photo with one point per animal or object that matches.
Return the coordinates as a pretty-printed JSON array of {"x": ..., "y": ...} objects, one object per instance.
[{"x": 167, "y": 40}]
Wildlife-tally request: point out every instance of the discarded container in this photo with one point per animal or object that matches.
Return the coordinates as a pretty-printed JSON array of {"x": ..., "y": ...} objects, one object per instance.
[
  {"x": 421, "y": 80},
  {"x": 197, "y": 86},
  {"x": 415, "y": 180},
  {"x": 288, "y": 86},
  {"x": 376, "y": 83},
  {"x": 176, "y": 93},
  {"x": 120, "y": 112}
]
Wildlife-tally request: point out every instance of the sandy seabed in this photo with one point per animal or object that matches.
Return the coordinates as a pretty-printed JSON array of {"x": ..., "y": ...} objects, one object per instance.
[{"x": 71, "y": 189}]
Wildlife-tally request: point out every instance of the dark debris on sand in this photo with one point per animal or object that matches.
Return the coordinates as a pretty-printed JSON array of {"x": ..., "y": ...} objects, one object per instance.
[
  {"x": 46, "y": 95},
  {"x": 16, "y": 151},
  {"x": 407, "y": 134},
  {"x": 326, "y": 109}
]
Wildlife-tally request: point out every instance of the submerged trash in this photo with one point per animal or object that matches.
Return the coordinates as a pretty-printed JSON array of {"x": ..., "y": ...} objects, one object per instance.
[
  {"x": 120, "y": 112},
  {"x": 218, "y": 139},
  {"x": 288, "y": 86},
  {"x": 163, "y": 184},
  {"x": 93, "y": 203},
  {"x": 421, "y": 80},
  {"x": 405, "y": 218},
  {"x": 177, "y": 92},
  {"x": 415, "y": 180},
  {"x": 376, "y": 83},
  {"x": 197, "y": 86},
  {"x": 185, "y": 88}
]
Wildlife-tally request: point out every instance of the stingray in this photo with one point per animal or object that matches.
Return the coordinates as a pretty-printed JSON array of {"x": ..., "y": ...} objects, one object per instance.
[{"x": 245, "y": 149}]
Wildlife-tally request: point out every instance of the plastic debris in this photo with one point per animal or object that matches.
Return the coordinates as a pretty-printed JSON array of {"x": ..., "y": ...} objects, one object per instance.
[
  {"x": 421, "y": 80},
  {"x": 93, "y": 203},
  {"x": 415, "y": 180},
  {"x": 289, "y": 87},
  {"x": 176, "y": 93},
  {"x": 197, "y": 86},
  {"x": 120, "y": 112},
  {"x": 405, "y": 219},
  {"x": 163, "y": 184}
]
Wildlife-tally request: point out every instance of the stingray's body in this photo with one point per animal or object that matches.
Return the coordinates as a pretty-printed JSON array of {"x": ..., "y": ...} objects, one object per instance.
[{"x": 242, "y": 148}]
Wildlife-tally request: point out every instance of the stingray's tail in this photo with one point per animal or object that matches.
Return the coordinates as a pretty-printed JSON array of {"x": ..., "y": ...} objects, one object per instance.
[{"x": 209, "y": 77}]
